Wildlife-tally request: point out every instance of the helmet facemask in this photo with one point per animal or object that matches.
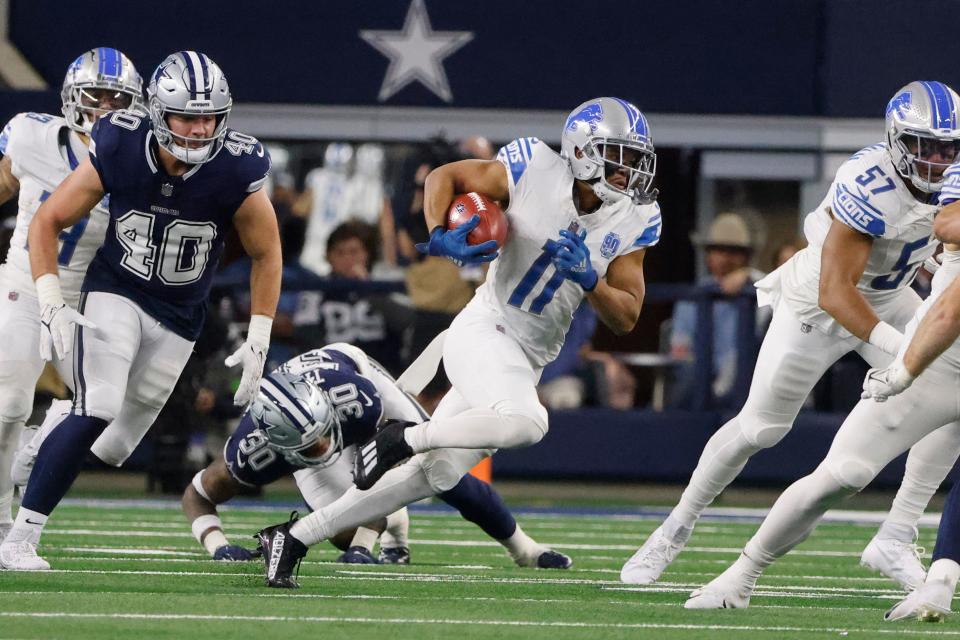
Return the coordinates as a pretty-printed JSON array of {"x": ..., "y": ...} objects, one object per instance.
[
  {"x": 623, "y": 167},
  {"x": 922, "y": 158},
  {"x": 98, "y": 82},
  {"x": 188, "y": 149}
]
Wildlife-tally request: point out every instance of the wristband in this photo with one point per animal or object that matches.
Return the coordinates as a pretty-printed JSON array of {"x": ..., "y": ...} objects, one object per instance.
[
  {"x": 48, "y": 290},
  {"x": 886, "y": 338},
  {"x": 259, "y": 329}
]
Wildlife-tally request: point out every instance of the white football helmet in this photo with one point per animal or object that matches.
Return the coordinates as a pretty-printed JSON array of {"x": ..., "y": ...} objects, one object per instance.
[
  {"x": 191, "y": 84},
  {"x": 923, "y": 132},
  {"x": 98, "y": 70},
  {"x": 295, "y": 415},
  {"x": 612, "y": 137}
]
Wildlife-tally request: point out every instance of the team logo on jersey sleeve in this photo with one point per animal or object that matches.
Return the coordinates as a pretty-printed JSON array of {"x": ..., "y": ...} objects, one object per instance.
[{"x": 610, "y": 245}]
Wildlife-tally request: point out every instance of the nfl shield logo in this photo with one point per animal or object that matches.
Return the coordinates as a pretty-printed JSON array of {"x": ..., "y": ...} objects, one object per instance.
[
  {"x": 166, "y": 189},
  {"x": 13, "y": 296},
  {"x": 611, "y": 242}
]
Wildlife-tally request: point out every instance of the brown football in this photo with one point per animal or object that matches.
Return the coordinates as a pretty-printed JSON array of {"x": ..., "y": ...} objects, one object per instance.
[{"x": 493, "y": 222}]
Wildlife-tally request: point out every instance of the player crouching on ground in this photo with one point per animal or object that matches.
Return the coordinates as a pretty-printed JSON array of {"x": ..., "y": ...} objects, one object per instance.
[{"x": 305, "y": 421}]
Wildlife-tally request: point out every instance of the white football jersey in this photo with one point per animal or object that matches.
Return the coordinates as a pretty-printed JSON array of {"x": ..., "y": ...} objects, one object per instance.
[
  {"x": 43, "y": 151},
  {"x": 869, "y": 196},
  {"x": 523, "y": 285}
]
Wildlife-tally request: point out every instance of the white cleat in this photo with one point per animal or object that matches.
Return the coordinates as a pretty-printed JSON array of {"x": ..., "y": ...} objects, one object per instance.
[
  {"x": 5, "y": 529},
  {"x": 21, "y": 556},
  {"x": 898, "y": 560},
  {"x": 929, "y": 603},
  {"x": 650, "y": 560},
  {"x": 723, "y": 592}
]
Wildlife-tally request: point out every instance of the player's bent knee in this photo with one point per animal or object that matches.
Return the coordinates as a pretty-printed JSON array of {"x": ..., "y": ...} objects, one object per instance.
[
  {"x": 761, "y": 433},
  {"x": 527, "y": 425},
  {"x": 852, "y": 473},
  {"x": 111, "y": 451},
  {"x": 15, "y": 404},
  {"x": 444, "y": 467}
]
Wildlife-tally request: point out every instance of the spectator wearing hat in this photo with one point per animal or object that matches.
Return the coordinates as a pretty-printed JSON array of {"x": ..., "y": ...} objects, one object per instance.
[{"x": 728, "y": 249}]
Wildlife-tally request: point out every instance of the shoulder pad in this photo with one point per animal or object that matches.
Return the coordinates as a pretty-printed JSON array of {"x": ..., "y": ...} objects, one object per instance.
[
  {"x": 250, "y": 157},
  {"x": 654, "y": 225},
  {"x": 865, "y": 192},
  {"x": 950, "y": 192},
  {"x": 517, "y": 156},
  {"x": 24, "y": 130}
]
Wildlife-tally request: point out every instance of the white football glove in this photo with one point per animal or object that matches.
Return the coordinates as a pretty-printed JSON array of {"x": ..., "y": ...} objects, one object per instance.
[
  {"x": 57, "y": 324},
  {"x": 251, "y": 354},
  {"x": 933, "y": 263},
  {"x": 880, "y": 384}
]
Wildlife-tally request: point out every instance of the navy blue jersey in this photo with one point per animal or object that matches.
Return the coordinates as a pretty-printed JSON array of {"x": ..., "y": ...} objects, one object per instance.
[
  {"x": 354, "y": 397},
  {"x": 166, "y": 233}
]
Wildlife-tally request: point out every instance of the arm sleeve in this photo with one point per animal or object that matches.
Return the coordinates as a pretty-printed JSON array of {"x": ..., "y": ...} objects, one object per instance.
[
  {"x": 853, "y": 205},
  {"x": 951, "y": 185},
  {"x": 516, "y": 156},
  {"x": 104, "y": 140}
]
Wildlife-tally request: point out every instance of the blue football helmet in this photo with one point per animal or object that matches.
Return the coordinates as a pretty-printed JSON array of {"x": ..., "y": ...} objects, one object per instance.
[
  {"x": 295, "y": 416},
  {"x": 611, "y": 136},
  {"x": 191, "y": 84},
  {"x": 99, "y": 70},
  {"x": 923, "y": 132}
]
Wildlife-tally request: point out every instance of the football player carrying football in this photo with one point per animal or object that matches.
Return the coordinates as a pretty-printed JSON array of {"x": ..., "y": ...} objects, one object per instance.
[{"x": 580, "y": 223}]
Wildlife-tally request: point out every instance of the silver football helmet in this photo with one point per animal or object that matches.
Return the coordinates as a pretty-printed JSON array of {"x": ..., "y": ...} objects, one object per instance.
[
  {"x": 100, "y": 76},
  {"x": 188, "y": 83},
  {"x": 616, "y": 153},
  {"x": 923, "y": 132},
  {"x": 296, "y": 416}
]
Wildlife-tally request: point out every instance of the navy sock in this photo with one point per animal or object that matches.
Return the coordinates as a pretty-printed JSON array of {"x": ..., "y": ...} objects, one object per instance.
[
  {"x": 480, "y": 504},
  {"x": 59, "y": 460},
  {"x": 948, "y": 535}
]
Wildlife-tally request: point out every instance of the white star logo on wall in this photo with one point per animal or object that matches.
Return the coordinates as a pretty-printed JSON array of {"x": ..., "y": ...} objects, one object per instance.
[{"x": 416, "y": 53}]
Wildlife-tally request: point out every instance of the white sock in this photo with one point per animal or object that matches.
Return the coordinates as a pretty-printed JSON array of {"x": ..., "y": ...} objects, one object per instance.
[
  {"x": 9, "y": 440},
  {"x": 747, "y": 569},
  {"x": 722, "y": 460},
  {"x": 398, "y": 530},
  {"x": 365, "y": 538},
  {"x": 397, "y": 488},
  {"x": 24, "y": 530},
  {"x": 522, "y": 548},
  {"x": 897, "y": 531},
  {"x": 945, "y": 570},
  {"x": 474, "y": 429}
]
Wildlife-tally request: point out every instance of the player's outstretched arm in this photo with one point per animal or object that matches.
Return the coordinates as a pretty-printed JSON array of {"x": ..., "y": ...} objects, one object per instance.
[
  {"x": 9, "y": 185},
  {"x": 70, "y": 202},
  {"x": 210, "y": 487},
  {"x": 488, "y": 177},
  {"x": 256, "y": 224},
  {"x": 618, "y": 298},
  {"x": 842, "y": 262}
]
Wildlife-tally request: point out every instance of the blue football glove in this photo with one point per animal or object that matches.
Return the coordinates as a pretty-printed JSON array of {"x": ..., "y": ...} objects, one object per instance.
[
  {"x": 234, "y": 552},
  {"x": 572, "y": 259},
  {"x": 453, "y": 244}
]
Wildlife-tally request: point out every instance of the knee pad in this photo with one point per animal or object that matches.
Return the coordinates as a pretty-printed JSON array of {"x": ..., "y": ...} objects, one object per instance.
[
  {"x": 527, "y": 424},
  {"x": 444, "y": 467},
  {"x": 852, "y": 473},
  {"x": 15, "y": 404},
  {"x": 112, "y": 451},
  {"x": 762, "y": 433}
]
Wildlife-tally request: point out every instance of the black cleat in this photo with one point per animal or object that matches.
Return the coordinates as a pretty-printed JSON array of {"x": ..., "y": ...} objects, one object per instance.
[
  {"x": 551, "y": 559},
  {"x": 281, "y": 554},
  {"x": 381, "y": 453},
  {"x": 357, "y": 555},
  {"x": 394, "y": 555}
]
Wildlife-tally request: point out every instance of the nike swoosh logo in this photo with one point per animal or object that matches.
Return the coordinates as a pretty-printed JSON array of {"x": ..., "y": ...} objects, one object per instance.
[
  {"x": 367, "y": 400},
  {"x": 260, "y": 151},
  {"x": 29, "y": 521}
]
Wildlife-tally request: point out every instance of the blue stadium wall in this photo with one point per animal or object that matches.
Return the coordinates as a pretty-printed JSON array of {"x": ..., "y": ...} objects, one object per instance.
[{"x": 775, "y": 57}]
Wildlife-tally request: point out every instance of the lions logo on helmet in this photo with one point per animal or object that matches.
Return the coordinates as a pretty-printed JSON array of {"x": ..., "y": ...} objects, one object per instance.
[
  {"x": 606, "y": 136},
  {"x": 298, "y": 420},
  {"x": 188, "y": 83},
  {"x": 923, "y": 132},
  {"x": 99, "y": 76}
]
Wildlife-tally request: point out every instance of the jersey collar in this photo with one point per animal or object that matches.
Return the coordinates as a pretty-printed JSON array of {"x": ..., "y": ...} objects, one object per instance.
[{"x": 154, "y": 164}]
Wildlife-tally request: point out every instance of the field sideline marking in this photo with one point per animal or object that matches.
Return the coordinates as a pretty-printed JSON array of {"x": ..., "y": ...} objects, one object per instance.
[{"x": 442, "y": 621}]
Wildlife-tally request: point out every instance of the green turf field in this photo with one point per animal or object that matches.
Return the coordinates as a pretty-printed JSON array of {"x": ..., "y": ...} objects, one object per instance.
[{"x": 134, "y": 571}]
